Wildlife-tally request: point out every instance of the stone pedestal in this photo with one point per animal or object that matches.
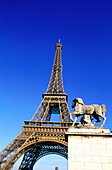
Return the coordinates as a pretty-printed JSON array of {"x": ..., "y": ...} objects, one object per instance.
[{"x": 89, "y": 149}]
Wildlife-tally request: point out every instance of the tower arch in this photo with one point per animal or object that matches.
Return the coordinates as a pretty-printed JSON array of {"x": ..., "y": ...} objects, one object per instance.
[{"x": 41, "y": 149}]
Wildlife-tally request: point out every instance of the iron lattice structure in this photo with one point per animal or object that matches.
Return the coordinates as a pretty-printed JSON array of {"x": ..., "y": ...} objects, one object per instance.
[{"x": 40, "y": 136}]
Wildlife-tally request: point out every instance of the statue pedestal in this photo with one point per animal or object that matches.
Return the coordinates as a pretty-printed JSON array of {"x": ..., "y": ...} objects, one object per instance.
[{"x": 89, "y": 148}]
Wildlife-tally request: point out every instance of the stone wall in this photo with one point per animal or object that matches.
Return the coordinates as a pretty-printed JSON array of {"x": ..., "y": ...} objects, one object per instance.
[{"x": 89, "y": 149}]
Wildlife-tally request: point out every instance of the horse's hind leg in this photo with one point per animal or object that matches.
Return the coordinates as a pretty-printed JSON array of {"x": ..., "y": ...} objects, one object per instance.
[
  {"x": 104, "y": 119},
  {"x": 96, "y": 121},
  {"x": 96, "y": 116}
]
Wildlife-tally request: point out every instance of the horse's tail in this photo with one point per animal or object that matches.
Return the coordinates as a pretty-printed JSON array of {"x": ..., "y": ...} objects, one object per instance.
[{"x": 103, "y": 109}]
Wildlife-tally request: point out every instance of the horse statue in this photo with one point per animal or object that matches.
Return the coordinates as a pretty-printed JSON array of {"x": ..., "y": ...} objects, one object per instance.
[{"x": 87, "y": 111}]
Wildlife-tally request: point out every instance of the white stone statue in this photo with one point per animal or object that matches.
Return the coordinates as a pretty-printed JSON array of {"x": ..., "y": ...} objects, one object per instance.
[{"x": 87, "y": 111}]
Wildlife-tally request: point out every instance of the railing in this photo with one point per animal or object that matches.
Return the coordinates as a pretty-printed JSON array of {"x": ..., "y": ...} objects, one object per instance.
[
  {"x": 47, "y": 123},
  {"x": 46, "y": 127}
]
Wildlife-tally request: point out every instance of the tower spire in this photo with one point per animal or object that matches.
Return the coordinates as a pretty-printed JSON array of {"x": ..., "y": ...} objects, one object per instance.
[
  {"x": 56, "y": 82},
  {"x": 54, "y": 100}
]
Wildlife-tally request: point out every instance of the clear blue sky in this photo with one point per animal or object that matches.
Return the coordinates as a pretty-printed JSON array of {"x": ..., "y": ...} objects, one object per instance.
[{"x": 29, "y": 31}]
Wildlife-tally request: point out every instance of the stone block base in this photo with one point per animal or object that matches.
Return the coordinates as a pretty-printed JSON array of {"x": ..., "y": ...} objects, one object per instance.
[{"x": 89, "y": 149}]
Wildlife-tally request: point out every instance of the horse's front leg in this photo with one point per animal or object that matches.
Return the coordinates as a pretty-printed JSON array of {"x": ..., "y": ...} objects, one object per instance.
[
  {"x": 74, "y": 113},
  {"x": 76, "y": 117}
]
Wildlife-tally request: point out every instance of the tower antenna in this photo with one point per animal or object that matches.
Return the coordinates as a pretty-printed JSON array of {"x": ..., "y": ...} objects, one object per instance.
[{"x": 59, "y": 40}]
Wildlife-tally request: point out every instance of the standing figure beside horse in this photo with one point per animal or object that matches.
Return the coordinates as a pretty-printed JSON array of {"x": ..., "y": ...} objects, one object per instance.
[{"x": 87, "y": 111}]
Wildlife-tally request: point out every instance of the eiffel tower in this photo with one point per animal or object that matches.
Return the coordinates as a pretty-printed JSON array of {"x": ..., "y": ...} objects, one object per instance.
[{"x": 40, "y": 136}]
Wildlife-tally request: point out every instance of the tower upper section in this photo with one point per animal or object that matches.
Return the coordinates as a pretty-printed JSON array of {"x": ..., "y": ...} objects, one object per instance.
[{"x": 56, "y": 81}]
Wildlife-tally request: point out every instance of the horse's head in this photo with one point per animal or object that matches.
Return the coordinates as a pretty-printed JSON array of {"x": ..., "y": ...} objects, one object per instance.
[{"x": 77, "y": 100}]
